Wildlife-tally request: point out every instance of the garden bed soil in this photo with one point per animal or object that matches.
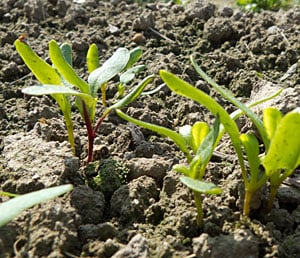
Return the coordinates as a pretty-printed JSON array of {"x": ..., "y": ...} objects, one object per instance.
[{"x": 129, "y": 202}]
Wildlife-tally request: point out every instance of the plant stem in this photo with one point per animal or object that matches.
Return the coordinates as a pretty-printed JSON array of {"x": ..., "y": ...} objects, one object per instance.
[
  {"x": 247, "y": 200},
  {"x": 273, "y": 192},
  {"x": 198, "y": 202},
  {"x": 90, "y": 131}
]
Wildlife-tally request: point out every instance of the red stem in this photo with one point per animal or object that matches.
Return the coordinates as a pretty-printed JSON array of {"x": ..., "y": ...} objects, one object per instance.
[{"x": 90, "y": 131}]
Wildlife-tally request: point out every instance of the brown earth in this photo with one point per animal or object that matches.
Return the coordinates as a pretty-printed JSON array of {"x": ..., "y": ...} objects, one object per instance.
[{"x": 141, "y": 209}]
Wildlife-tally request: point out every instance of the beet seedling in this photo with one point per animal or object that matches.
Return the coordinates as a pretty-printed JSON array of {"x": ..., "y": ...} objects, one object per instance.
[
  {"x": 61, "y": 81},
  {"x": 281, "y": 142},
  {"x": 197, "y": 142}
]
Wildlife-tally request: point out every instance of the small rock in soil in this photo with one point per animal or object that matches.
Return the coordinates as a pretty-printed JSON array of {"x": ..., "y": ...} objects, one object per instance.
[{"x": 136, "y": 248}]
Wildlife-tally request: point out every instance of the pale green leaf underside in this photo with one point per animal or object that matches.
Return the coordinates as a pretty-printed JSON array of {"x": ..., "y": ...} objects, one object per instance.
[
  {"x": 12, "y": 208},
  {"x": 49, "y": 89},
  {"x": 110, "y": 68}
]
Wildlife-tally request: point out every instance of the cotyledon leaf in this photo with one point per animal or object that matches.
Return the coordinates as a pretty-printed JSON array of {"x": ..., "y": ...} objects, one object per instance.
[
  {"x": 65, "y": 69},
  {"x": 49, "y": 89},
  {"x": 44, "y": 72}
]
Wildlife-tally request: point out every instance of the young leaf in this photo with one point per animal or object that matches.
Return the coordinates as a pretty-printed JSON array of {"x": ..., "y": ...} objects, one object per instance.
[
  {"x": 65, "y": 69},
  {"x": 12, "y": 208},
  {"x": 175, "y": 137},
  {"x": 181, "y": 169},
  {"x": 135, "y": 55},
  {"x": 199, "y": 132},
  {"x": 92, "y": 58},
  {"x": 200, "y": 186},
  {"x": 284, "y": 152},
  {"x": 41, "y": 70},
  {"x": 133, "y": 95},
  {"x": 186, "y": 132},
  {"x": 251, "y": 146},
  {"x": 205, "y": 151},
  {"x": 111, "y": 67},
  {"x": 130, "y": 74},
  {"x": 271, "y": 118},
  {"x": 66, "y": 51}
]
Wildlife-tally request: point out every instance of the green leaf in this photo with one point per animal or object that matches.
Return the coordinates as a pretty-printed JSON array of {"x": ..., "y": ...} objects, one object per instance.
[
  {"x": 186, "y": 132},
  {"x": 111, "y": 67},
  {"x": 182, "y": 169},
  {"x": 229, "y": 96},
  {"x": 271, "y": 118},
  {"x": 130, "y": 74},
  {"x": 185, "y": 89},
  {"x": 284, "y": 152},
  {"x": 49, "y": 89},
  {"x": 175, "y": 137},
  {"x": 41, "y": 70},
  {"x": 200, "y": 186},
  {"x": 12, "y": 208},
  {"x": 131, "y": 96},
  {"x": 199, "y": 132},
  {"x": 205, "y": 151},
  {"x": 251, "y": 146},
  {"x": 135, "y": 55},
  {"x": 92, "y": 58},
  {"x": 66, "y": 51},
  {"x": 65, "y": 69}
]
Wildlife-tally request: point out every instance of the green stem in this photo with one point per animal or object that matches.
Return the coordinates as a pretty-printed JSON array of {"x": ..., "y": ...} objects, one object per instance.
[
  {"x": 273, "y": 192},
  {"x": 198, "y": 202},
  {"x": 247, "y": 201}
]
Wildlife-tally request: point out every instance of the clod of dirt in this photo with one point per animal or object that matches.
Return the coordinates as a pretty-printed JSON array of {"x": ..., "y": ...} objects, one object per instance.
[
  {"x": 130, "y": 201},
  {"x": 152, "y": 167},
  {"x": 136, "y": 248},
  {"x": 35, "y": 170},
  {"x": 200, "y": 9},
  {"x": 241, "y": 244},
  {"x": 144, "y": 22},
  {"x": 89, "y": 204}
]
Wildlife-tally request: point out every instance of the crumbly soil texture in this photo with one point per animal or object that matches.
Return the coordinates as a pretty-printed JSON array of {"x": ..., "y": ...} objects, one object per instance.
[{"x": 129, "y": 202}]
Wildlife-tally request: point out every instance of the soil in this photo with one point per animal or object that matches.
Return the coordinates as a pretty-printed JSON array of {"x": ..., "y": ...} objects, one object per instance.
[{"x": 129, "y": 202}]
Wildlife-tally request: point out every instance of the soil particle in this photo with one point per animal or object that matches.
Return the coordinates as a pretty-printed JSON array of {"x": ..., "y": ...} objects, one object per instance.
[
  {"x": 129, "y": 202},
  {"x": 152, "y": 167},
  {"x": 241, "y": 244},
  {"x": 36, "y": 173},
  {"x": 89, "y": 204},
  {"x": 136, "y": 248}
]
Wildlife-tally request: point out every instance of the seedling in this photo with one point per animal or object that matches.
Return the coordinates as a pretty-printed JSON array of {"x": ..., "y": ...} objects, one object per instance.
[
  {"x": 12, "y": 208},
  {"x": 197, "y": 142},
  {"x": 280, "y": 137},
  {"x": 61, "y": 81},
  {"x": 259, "y": 5}
]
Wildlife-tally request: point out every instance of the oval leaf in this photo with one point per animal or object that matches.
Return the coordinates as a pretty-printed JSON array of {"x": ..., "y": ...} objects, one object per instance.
[
  {"x": 111, "y": 67},
  {"x": 92, "y": 58},
  {"x": 200, "y": 186},
  {"x": 284, "y": 152}
]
